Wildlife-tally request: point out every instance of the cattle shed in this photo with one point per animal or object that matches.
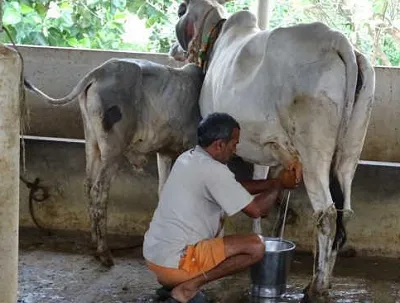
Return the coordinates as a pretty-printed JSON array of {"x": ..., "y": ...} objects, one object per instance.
[
  {"x": 49, "y": 196},
  {"x": 54, "y": 153}
]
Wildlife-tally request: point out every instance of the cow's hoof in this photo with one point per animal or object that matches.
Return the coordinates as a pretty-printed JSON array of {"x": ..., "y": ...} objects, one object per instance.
[
  {"x": 347, "y": 252},
  {"x": 314, "y": 299},
  {"x": 347, "y": 215},
  {"x": 105, "y": 258},
  {"x": 305, "y": 290},
  {"x": 313, "y": 296}
]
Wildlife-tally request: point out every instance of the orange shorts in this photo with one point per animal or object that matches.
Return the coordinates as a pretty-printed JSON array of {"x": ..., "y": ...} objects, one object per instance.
[{"x": 198, "y": 259}]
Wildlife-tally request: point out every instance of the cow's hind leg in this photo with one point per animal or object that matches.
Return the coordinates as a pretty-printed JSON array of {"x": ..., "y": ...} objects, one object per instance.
[
  {"x": 99, "y": 195},
  {"x": 352, "y": 144},
  {"x": 316, "y": 168},
  {"x": 93, "y": 162}
]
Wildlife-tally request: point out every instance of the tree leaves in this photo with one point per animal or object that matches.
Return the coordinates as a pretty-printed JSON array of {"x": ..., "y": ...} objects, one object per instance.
[
  {"x": 12, "y": 14},
  {"x": 95, "y": 23},
  {"x": 360, "y": 21}
]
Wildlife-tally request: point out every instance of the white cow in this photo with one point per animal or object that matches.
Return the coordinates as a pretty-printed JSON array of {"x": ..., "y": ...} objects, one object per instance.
[
  {"x": 131, "y": 109},
  {"x": 303, "y": 97}
]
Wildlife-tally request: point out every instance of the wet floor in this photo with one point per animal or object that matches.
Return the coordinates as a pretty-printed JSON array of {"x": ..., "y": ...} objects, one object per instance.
[{"x": 60, "y": 269}]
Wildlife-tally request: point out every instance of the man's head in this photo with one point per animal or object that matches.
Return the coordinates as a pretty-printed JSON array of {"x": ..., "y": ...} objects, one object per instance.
[{"x": 218, "y": 134}]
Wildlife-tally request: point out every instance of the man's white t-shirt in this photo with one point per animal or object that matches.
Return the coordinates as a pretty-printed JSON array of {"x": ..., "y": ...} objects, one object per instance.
[{"x": 198, "y": 192}]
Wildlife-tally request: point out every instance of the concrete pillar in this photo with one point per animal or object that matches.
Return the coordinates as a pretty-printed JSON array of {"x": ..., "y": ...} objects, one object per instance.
[
  {"x": 263, "y": 10},
  {"x": 10, "y": 73}
]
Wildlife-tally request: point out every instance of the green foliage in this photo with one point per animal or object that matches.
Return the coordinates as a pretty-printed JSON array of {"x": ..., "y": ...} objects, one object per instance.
[
  {"x": 369, "y": 24},
  {"x": 373, "y": 26},
  {"x": 97, "y": 24}
]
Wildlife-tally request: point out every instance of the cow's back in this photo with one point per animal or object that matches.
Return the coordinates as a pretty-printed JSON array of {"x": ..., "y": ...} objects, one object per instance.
[
  {"x": 172, "y": 97},
  {"x": 258, "y": 76},
  {"x": 152, "y": 106},
  {"x": 267, "y": 67},
  {"x": 169, "y": 110}
]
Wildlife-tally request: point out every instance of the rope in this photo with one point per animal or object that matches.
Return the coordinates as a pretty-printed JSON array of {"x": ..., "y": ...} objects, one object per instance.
[
  {"x": 37, "y": 193},
  {"x": 204, "y": 55},
  {"x": 195, "y": 45},
  {"x": 198, "y": 51}
]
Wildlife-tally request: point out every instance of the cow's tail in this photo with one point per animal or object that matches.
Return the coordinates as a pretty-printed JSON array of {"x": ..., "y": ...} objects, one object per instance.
[
  {"x": 360, "y": 90},
  {"x": 82, "y": 84}
]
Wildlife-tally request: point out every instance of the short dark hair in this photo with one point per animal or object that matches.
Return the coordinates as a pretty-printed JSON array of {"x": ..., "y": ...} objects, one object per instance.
[{"x": 214, "y": 127}]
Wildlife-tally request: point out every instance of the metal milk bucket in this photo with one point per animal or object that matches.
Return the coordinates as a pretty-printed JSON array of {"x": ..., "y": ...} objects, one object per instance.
[{"x": 269, "y": 275}]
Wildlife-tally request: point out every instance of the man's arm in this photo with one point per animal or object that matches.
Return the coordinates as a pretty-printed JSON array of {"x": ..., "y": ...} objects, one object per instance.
[
  {"x": 268, "y": 192},
  {"x": 287, "y": 179},
  {"x": 262, "y": 203},
  {"x": 255, "y": 187}
]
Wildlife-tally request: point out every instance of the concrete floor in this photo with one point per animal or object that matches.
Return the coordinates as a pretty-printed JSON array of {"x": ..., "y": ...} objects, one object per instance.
[{"x": 60, "y": 268}]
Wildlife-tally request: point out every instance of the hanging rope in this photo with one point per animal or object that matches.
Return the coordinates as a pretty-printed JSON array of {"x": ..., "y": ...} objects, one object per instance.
[{"x": 37, "y": 193}]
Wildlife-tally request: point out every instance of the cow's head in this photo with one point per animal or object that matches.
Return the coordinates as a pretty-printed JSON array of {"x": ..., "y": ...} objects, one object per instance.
[{"x": 196, "y": 18}]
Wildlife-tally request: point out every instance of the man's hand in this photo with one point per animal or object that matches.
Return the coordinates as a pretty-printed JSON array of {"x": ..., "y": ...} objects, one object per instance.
[
  {"x": 262, "y": 203},
  {"x": 288, "y": 179}
]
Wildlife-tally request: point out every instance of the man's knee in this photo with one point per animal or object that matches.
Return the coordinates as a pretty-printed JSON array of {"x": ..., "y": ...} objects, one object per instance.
[
  {"x": 257, "y": 247},
  {"x": 251, "y": 245}
]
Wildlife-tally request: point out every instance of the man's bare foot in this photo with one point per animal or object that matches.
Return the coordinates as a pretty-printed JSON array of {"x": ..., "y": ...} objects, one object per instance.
[{"x": 183, "y": 294}]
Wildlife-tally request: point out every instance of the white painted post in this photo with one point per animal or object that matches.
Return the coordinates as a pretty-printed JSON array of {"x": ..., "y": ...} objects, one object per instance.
[
  {"x": 263, "y": 10},
  {"x": 10, "y": 73}
]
